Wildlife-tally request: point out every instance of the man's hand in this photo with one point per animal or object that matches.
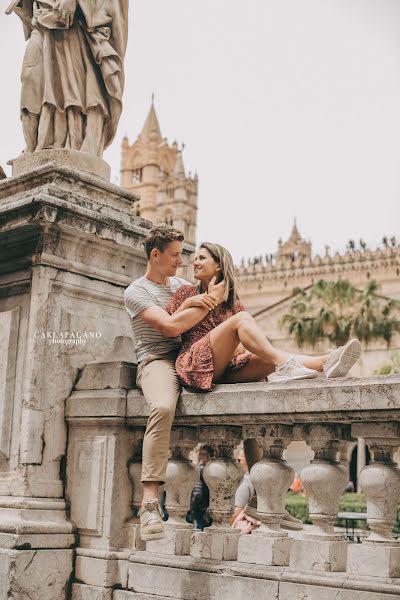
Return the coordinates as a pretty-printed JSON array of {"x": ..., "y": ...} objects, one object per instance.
[
  {"x": 201, "y": 301},
  {"x": 217, "y": 290},
  {"x": 67, "y": 10}
]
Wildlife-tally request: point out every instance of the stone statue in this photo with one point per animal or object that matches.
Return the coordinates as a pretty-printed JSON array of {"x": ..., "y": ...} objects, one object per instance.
[{"x": 72, "y": 73}]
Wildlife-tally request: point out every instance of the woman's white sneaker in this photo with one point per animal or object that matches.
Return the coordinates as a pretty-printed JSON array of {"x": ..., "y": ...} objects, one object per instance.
[
  {"x": 342, "y": 359},
  {"x": 291, "y": 370}
]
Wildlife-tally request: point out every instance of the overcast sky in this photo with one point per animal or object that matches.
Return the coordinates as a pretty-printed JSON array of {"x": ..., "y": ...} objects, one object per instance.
[{"x": 286, "y": 108}]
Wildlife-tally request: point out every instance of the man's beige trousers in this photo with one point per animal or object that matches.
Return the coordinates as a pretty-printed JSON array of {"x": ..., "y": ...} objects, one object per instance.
[{"x": 159, "y": 382}]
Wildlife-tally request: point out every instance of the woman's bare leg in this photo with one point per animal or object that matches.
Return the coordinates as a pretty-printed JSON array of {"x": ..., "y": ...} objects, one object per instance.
[
  {"x": 311, "y": 362},
  {"x": 255, "y": 370},
  {"x": 242, "y": 328}
]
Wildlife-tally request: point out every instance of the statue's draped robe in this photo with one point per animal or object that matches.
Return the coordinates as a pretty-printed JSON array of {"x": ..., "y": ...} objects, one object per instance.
[{"x": 81, "y": 66}]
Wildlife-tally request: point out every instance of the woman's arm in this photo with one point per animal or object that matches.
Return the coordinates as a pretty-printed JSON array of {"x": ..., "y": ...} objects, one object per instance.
[{"x": 171, "y": 322}]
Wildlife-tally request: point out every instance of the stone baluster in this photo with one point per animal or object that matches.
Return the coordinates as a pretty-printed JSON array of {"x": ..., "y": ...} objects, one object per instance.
[
  {"x": 222, "y": 476},
  {"x": 379, "y": 554},
  {"x": 181, "y": 477},
  {"x": 135, "y": 475},
  {"x": 271, "y": 477},
  {"x": 324, "y": 480}
]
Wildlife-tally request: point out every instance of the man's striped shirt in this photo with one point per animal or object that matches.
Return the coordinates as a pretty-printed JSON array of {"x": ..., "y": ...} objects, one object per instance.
[{"x": 142, "y": 294}]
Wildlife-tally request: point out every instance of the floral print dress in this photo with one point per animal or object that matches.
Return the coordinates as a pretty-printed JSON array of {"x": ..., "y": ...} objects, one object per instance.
[{"x": 194, "y": 364}]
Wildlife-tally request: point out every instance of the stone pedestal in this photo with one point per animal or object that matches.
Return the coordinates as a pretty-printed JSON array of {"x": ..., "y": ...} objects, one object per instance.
[
  {"x": 374, "y": 559},
  {"x": 271, "y": 477},
  {"x": 324, "y": 481},
  {"x": 222, "y": 476},
  {"x": 68, "y": 248},
  {"x": 379, "y": 554},
  {"x": 175, "y": 541},
  {"x": 264, "y": 549},
  {"x": 62, "y": 157},
  {"x": 308, "y": 553},
  {"x": 181, "y": 477},
  {"x": 215, "y": 544}
]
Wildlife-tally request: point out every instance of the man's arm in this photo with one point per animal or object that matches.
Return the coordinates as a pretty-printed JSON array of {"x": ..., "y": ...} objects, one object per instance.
[
  {"x": 175, "y": 324},
  {"x": 182, "y": 320}
]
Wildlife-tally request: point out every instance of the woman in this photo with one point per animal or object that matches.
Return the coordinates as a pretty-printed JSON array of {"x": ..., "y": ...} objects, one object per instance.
[{"x": 228, "y": 346}]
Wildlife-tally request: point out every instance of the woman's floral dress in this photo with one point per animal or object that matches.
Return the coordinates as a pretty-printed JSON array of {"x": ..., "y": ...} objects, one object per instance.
[{"x": 194, "y": 364}]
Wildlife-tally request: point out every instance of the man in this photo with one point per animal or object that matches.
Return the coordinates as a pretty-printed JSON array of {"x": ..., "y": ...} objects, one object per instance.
[{"x": 157, "y": 336}]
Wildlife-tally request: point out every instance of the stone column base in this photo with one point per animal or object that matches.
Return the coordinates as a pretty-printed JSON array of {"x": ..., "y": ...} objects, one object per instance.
[
  {"x": 263, "y": 549},
  {"x": 100, "y": 570},
  {"x": 374, "y": 560},
  {"x": 90, "y": 592},
  {"x": 83, "y": 161},
  {"x": 176, "y": 542},
  {"x": 27, "y": 541},
  {"x": 134, "y": 541},
  {"x": 318, "y": 555},
  {"x": 217, "y": 545},
  {"x": 35, "y": 574}
]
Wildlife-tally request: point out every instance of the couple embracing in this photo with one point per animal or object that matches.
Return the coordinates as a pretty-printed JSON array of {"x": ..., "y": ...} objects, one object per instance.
[{"x": 197, "y": 337}]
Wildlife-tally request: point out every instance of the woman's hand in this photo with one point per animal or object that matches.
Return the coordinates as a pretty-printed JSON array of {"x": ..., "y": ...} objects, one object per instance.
[
  {"x": 217, "y": 290},
  {"x": 67, "y": 10},
  {"x": 201, "y": 301}
]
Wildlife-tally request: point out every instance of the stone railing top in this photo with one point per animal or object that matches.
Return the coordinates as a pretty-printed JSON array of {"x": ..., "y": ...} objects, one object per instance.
[{"x": 105, "y": 390}]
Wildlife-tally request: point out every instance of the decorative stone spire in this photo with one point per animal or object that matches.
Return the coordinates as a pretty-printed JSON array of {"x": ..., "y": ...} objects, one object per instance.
[
  {"x": 151, "y": 129},
  {"x": 179, "y": 169},
  {"x": 295, "y": 235}
]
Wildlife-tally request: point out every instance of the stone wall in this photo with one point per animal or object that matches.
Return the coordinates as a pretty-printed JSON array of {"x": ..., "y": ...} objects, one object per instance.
[{"x": 330, "y": 415}]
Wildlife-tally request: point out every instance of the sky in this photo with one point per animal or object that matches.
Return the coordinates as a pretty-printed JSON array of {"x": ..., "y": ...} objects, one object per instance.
[{"x": 287, "y": 108}]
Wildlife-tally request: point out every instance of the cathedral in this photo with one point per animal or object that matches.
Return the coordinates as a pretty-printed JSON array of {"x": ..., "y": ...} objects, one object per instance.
[{"x": 154, "y": 170}]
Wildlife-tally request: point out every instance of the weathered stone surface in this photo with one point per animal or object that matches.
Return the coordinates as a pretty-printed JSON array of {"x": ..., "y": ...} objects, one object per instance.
[
  {"x": 36, "y": 540},
  {"x": 374, "y": 559},
  {"x": 102, "y": 375},
  {"x": 214, "y": 544},
  {"x": 195, "y": 585},
  {"x": 317, "y": 555},
  {"x": 318, "y": 400},
  {"x": 290, "y": 591},
  {"x": 34, "y": 574},
  {"x": 264, "y": 550},
  {"x": 176, "y": 541},
  {"x": 81, "y": 161},
  {"x": 101, "y": 572},
  {"x": 96, "y": 403},
  {"x": 91, "y": 592},
  {"x": 21, "y": 515},
  {"x": 98, "y": 483},
  {"x": 124, "y": 595}
]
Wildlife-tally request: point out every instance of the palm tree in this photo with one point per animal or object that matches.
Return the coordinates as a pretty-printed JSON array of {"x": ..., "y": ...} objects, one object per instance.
[{"x": 337, "y": 310}]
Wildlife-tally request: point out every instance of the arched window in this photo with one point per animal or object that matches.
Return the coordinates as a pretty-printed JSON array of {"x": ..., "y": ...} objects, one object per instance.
[{"x": 137, "y": 175}]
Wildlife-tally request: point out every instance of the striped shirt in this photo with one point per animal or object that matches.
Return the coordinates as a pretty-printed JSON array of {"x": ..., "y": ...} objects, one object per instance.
[{"x": 142, "y": 294}]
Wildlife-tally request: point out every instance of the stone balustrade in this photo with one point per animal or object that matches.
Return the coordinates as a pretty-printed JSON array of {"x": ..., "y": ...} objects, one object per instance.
[{"x": 107, "y": 417}]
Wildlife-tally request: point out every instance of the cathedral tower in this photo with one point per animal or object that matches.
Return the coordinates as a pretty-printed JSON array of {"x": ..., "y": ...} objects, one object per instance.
[{"x": 154, "y": 170}]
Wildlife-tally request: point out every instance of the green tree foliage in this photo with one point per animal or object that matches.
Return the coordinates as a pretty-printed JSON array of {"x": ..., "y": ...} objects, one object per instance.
[
  {"x": 337, "y": 311},
  {"x": 391, "y": 367}
]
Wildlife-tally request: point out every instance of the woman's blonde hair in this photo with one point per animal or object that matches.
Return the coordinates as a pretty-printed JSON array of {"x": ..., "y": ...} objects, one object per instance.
[{"x": 227, "y": 272}]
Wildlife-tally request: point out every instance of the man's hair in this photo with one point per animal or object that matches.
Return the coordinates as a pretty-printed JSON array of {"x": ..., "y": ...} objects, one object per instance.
[{"x": 160, "y": 236}]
